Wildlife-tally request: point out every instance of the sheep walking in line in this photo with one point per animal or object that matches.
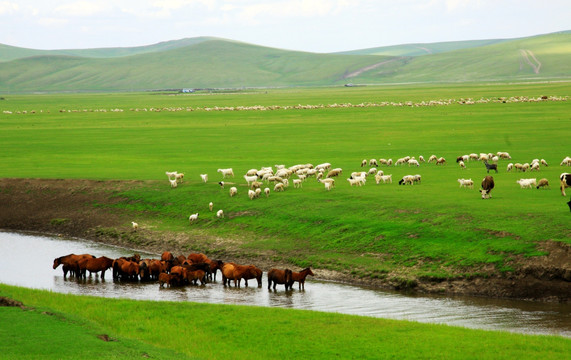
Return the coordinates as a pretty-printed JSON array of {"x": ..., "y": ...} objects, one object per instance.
[
  {"x": 233, "y": 191},
  {"x": 192, "y": 218},
  {"x": 542, "y": 183},
  {"x": 220, "y": 214},
  {"x": 204, "y": 177}
]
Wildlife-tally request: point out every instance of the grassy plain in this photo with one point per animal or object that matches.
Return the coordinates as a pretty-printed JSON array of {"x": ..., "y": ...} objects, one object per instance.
[
  {"x": 433, "y": 230},
  {"x": 65, "y": 326}
]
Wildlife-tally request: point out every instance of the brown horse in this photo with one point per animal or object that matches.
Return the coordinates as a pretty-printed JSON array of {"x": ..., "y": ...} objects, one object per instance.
[
  {"x": 278, "y": 276},
  {"x": 300, "y": 277},
  {"x": 232, "y": 271},
  {"x": 197, "y": 258},
  {"x": 214, "y": 266},
  {"x": 124, "y": 269},
  {"x": 94, "y": 265},
  {"x": 69, "y": 263},
  {"x": 168, "y": 279}
]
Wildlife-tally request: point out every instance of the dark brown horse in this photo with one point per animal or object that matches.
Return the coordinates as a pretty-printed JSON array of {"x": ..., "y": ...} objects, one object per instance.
[
  {"x": 94, "y": 265},
  {"x": 277, "y": 276},
  {"x": 300, "y": 276},
  {"x": 168, "y": 279},
  {"x": 197, "y": 258},
  {"x": 232, "y": 271},
  {"x": 70, "y": 263},
  {"x": 124, "y": 269}
]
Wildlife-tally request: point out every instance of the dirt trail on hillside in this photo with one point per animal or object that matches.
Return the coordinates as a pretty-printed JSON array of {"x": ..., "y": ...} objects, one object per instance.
[
  {"x": 83, "y": 209},
  {"x": 369, "y": 68},
  {"x": 526, "y": 54}
]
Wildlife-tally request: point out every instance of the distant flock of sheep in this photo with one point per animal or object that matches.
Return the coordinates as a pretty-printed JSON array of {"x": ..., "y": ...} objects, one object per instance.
[
  {"x": 323, "y": 173},
  {"x": 468, "y": 101}
]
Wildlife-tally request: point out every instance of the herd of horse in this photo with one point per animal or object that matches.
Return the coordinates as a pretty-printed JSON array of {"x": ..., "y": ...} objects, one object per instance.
[{"x": 179, "y": 270}]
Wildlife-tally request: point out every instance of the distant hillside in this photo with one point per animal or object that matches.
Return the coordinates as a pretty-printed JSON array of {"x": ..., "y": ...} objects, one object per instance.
[{"x": 217, "y": 63}]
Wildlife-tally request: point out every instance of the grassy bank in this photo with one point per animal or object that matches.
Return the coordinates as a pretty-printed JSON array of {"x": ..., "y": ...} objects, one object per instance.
[
  {"x": 434, "y": 230},
  {"x": 66, "y": 326}
]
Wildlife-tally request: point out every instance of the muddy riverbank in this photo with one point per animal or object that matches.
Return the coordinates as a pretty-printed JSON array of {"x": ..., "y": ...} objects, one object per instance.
[{"x": 80, "y": 208}]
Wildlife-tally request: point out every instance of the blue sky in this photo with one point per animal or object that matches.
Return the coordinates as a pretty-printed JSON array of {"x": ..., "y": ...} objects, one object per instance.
[{"x": 311, "y": 25}]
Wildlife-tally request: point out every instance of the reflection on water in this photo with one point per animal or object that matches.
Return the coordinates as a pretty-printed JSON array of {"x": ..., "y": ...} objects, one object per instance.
[{"x": 482, "y": 313}]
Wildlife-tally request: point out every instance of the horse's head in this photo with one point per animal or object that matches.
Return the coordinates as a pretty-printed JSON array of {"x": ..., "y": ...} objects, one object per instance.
[
  {"x": 57, "y": 262},
  {"x": 309, "y": 272}
]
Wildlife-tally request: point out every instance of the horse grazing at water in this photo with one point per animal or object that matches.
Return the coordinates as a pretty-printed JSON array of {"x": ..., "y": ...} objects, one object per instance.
[
  {"x": 124, "y": 269},
  {"x": 232, "y": 271},
  {"x": 69, "y": 263},
  {"x": 300, "y": 276},
  {"x": 94, "y": 265},
  {"x": 277, "y": 276}
]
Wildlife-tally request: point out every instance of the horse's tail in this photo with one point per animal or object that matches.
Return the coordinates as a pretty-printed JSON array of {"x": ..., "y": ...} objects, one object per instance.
[{"x": 288, "y": 279}]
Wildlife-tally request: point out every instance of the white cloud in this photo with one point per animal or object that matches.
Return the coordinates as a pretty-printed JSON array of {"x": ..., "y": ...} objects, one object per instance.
[
  {"x": 8, "y": 8},
  {"x": 49, "y": 21},
  {"x": 82, "y": 8}
]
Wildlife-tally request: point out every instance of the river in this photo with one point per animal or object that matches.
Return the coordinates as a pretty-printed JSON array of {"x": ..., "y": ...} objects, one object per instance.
[{"x": 471, "y": 312}]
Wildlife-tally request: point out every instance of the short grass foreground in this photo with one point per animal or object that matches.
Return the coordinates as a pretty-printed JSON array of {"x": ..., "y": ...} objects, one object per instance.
[
  {"x": 63, "y": 326},
  {"x": 434, "y": 229}
]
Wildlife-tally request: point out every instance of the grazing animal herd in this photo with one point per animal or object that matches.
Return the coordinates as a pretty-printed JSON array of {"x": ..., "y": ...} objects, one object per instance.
[{"x": 176, "y": 271}]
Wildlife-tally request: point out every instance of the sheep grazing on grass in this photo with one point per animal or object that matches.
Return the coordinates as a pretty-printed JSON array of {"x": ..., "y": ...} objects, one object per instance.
[
  {"x": 258, "y": 191},
  {"x": 233, "y": 191},
  {"x": 527, "y": 183},
  {"x": 356, "y": 181},
  {"x": 566, "y": 161},
  {"x": 173, "y": 182},
  {"x": 534, "y": 167},
  {"x": 204, "y": 177},
  {"x": 334, "y": 172},
  {"x": 255, "y": 185},
  {"x": 220, "y": 214},
  {"x": 221, "y": 183},
  {"x": 565, "y": 182},
  {"x": 328, "y": 186},
  {"x": 490, "y": 166},
  {"x": 510, "y": 167},
  {"x": 192, "y": 218},
  {"x": 432, "y": 158},
  {"x": 251, "y": 194},
  {"x": 413, "y": 162},
  {"x": 487, "y": 186},
  {"x": 543, "y": 162},
  {"x": 135, "y": 226},
  {"x": 179, "y": 177},
  {"x": 364, "y": 162},
  {"x": 440, "y": 161},
  {"x": 210, "y": 206},
  {"x": 518, "y": 167},
  {"x": 384, "y": 178},
  {"x": 250, "y": 179},
  {"x": 462, "y": 165},
  {"x": 373, "y": 162},
  {"x": 407, "y": 180},
  {"x": 279, "y": 187},
  {"x": 296, "y": 183},
  {"x": 421, "y": 158},
  {"x": 466, "y": 183},
  {"x": 525, "y": 167},
  {"x": 543, "y": 183},
  {"x": 503, "y": 155},
  {"x": 226, "y": 172},
  {"x": 267, "y": 192}
]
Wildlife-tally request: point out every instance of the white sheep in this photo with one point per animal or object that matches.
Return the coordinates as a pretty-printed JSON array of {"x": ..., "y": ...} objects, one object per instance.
[
  {"x": 323, "y": 167},
  {"x": 204, "y": 177},
  {"x": 252, "y": 172},
  {"x": 221, "y": 183},
  {"x": 467, "y": 183},
  {"x": 462, "y": 165},
  {"x": 279, "y": 187},
  {"x": 250, "y": 179},
  {"x": 173, "y": 182},
  {"x": 413, "y": 162},
  {"x": 327, "y": 181},
  {"x": 363, "y": 162},
  {"x": 296, "y": 183},
  {"x": 328, "y": 186},
  {"x": 267, "y": 192},
  {"x": 387, "y": 178},
  {"x": 534, "y": 167},
  {"x": 421, "y": 158},
  {"x": 220, "y": 214},
  {"x": 192, "y": 218},
  {"x": 432, "y": 158},
  {"x": 258, "y": 191},
  {"x": 543, "y": 162},
  {"x": 356, "y": 181},
  {"x": 226, "y": 172},
  {"x": 210, "y": 206},
  {"x": 373, "y": 162},
  {"x": 372, "y": 171},
  {"x": 135, "y": 226},
  {"x": 510, "y": 167},
  {"x": 233, "y": 191},
  {"x": 251, "y": 194},
  {"x": 527, "y": 183},
  {"x": 171, "y": 174},
  {"x": 566, "y": 161}
]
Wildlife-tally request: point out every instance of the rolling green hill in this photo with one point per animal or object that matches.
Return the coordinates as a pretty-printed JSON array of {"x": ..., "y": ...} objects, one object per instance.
[{"x": 217, "y": 63}]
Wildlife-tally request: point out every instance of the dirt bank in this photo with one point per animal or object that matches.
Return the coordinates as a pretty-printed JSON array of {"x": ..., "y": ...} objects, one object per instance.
[{"x": 74, "y": 208}]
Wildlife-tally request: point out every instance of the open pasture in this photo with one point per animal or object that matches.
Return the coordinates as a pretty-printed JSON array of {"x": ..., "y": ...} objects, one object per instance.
[{"x": 433, "y": 229}]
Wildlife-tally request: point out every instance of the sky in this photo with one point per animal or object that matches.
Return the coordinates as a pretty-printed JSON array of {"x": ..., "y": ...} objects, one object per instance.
[{"x": 319, "y": 26}]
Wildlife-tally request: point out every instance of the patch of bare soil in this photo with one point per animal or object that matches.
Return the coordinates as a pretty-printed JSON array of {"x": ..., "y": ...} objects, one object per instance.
[{"x": 73, "y": 208}]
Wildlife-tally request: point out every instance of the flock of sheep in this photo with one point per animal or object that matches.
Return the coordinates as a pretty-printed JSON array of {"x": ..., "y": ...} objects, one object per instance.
[
  {"x": 259, "y": 180},
  {"x": 468, "y": 101}
]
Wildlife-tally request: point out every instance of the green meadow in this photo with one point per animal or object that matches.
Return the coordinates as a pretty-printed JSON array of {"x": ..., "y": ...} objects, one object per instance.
[
  {"x": 64, "y": 326},
  {"x": 432, "y": 230}
]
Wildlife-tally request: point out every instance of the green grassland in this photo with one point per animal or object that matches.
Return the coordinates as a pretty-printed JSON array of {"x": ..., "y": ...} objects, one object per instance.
[
  {"x": 431, "y": 230},
  {"x": 219, "y": 63},
  {"x": 65, "y": 326}
]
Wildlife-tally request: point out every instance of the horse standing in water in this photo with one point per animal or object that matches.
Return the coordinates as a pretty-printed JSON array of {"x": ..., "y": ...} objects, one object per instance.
[
  {"x": 300, "y": 277},
  {"x": 277, "y": 276},
  {"x": 232, "y": 271},
  {"x": 70, "y": 263},
  {"x": 94, "y": 265}
]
